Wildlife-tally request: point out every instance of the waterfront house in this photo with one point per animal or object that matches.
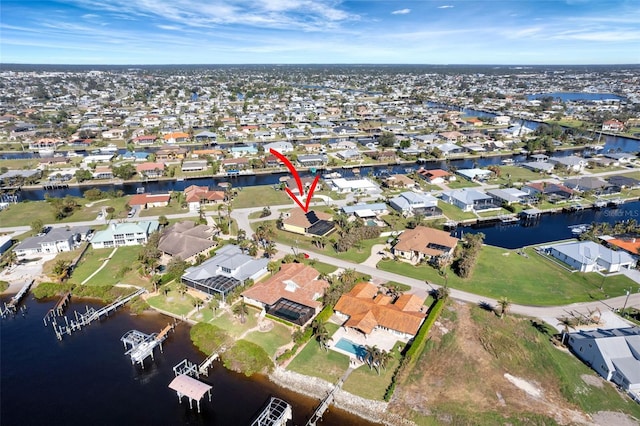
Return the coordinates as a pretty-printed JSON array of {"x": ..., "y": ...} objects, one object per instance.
[
  {"x": 507, "y": 195},
  {"x": 554, "y": 191},
  {"x": 411, "y": 203},
  {"x": 310, "y": 223},
  {"x": 312, "y": 160},
  {"x": 613, "y": 353},
  {"x": 623, "y": 182},
  {"x": 399, "y": 181},
  {"x": 538, "y": 166},
  {"x": 587, "y": 256},
  {"x": 57, "y": 240},
  {"x": 292, "y": 294},
  {"x": 475, "y": 174},
  {"x": 588, "y": 183},
  {"x": 187, "y": 241},
  {"x": 195, "y": 196},
  {"x": 144, "y": 140},
  {"x": 150, "y": 170},
  {"x": 124, "y": 234},
  {"x": 423, "y": 243},
  {"x": 469, "y": 199},
  {"x": 171, "y": 153},
  {"x": 364, "y": 310},
  {"x": 282, "y": 147},
  {"x": 103, "y": 172},
  {"x": 364, "y": 186},
  {"x": 144, "y": 201},
  {"x": 229, "y": 268},
  {"x": 612, "y": 125},
  {"x": 366, "y": 211},
  {"x": 436, "y": 176},
  {"x": 621, "y": 157},
  {"x": 176, "y": 137},
  {"x": 348, "y": 154},
  {"x": 194, "y": 165},
  {"x": 235, "y": 164},
  {"x": 571, "y": 163}
]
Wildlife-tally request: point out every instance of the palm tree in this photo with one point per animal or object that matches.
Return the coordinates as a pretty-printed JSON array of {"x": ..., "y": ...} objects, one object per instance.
[
  {"x": 12, "y": 259},
  {"x": 504, "y": 306},
  {"x": 567, "y": 323},
  {"x": 253, "y": 249},
  {"x": 373, "y": 357},
  {"x": 320, "y": 333},
  {"x": 385, "y": 358},
  {"x": 273, "y": 267},
  {"x": 241, "y": 310},
  {"x": 244, "y": 245},
  {"x": 442, "y": 292},
  {"x": 270, "y": 250}
]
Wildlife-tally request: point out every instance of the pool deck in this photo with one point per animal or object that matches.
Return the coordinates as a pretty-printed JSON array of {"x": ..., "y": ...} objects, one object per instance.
[{"x": 380, "y": 338}]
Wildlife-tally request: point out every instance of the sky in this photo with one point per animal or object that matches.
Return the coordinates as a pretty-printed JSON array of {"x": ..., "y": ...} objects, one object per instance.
[{"x": 526, "y": 32}]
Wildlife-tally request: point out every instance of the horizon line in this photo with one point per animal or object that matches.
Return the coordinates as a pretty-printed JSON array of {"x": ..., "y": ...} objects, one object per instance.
[{"x": 319, "y": 64}]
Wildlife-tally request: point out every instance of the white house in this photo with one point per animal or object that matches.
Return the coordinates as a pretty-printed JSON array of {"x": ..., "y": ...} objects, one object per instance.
[
  {"x": 469, "y": 199},
  {"x": 587, "y": 256},
  {"x": 55, "y": 241},
  {"x": 571, "y": 162},
  {"x": 409, "y": 203},
  {"x": 124, "y": 234},
  {"x": 281, "y": 146},
  {"x": 343, "y": 185},
  {"x": 614, "y": 354}
]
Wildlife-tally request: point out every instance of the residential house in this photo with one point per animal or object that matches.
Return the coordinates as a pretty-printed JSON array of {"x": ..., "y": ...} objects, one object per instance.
[
  {"x": 588, "y": 183},
  {"x": 124, "y": 234},
  {"x": 229, "y": 268},
  {"x": 436, "y": 176},
  {"x": 187, "y": 241},
  {"x": 171, "y": 153},
  {"x": 312, "y": 160},
  {"x": 571, "y": 163},
  {"x": 469, "y": 199},
  {"x": 292, "y": 294},
  {"x": 538, "y": 166},
  {"x": 423, "y": 243},
  {"x": 349, "y": 155},
  {"x": 621, "y": 157},
  {"x": 144, "y": 140},
  {"x": 144, "y": 201},
  {"x": 363, "y": 185},
  {"x": 366, "y": 211},
  {"x": 555, "y": 192},
  {"x": 412, "y": 203},
  {"x": 176, "y": 137},
  {"x": 622, "y": 182},
  {"x": 613, "y": 353},
  {"x": 399, "y": 181},
  {"x": 587, "y": 256},
  {"x": 612, "y": 125},
  {"x": 449, "y": 149},
  {"x": 475, "y": 174},
  {"x": 282, "y": 147},
  {"x": 507, "y": 195},
  {"x": 150, "y": 170},
  {"x": 195, "y": 196},
  {"x": 235, "y": 164},
  {"x": 364, "y": 310},
  {"x": 103, "y": 172},
  {"x": 310, "y": 223},
  {"x": 57, "y": 240},
  {"x": 194, "y": 165}
]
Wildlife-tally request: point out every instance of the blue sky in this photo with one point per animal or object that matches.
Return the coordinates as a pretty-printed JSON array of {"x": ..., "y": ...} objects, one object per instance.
[{"x": 320, "y": 31}]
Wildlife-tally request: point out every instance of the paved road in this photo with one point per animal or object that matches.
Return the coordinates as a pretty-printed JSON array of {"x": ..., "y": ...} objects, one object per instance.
[{"x": 547, "y": 313}]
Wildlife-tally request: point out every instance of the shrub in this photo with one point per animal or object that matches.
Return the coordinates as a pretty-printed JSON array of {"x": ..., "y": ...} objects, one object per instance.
[
  {"x": 208, "y": 337},
  {"x": 44, "y": 290},
  {"x": 248, "y": 358}
]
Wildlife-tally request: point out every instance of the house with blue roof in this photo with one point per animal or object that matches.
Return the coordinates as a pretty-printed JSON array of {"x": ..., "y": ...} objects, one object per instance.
[
  {"x": 124, "y": 234},
  {"x": 588, "y": 256},
  {"x": 469, "y": 199}
]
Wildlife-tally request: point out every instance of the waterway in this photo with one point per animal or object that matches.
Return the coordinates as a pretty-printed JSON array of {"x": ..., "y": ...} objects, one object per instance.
[
  {"x": 86, "y": 379},
  {"x": 576, "y": 96},
  {"x": 550, "y": 227}
]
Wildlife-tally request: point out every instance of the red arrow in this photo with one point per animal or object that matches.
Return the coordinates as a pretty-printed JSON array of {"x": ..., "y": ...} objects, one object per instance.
[{"x": 296, "y": 176}]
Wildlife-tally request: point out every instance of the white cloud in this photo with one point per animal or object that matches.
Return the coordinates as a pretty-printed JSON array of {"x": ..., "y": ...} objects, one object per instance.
[
  {"x": 401, "y": 12},
  {"x": 446, "y": 6}
]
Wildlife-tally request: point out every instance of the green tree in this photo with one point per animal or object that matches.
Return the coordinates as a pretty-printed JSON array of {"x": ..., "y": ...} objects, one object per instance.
[
  {"x": 241, "y": 310},
  {"x": 36, "y": 226},
  {"x": 504, "y": 304},
  {"x": 387, "y": 139}
]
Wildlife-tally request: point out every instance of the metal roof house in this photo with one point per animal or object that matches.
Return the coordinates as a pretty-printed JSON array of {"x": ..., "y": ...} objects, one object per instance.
[
  {"x": 614, "y": 354},
  {"x": 409, "y": 203},
  {"x": 124, "y": 234},
  {"x": 587, "y": 256},
  {"x": 225, "y": 271},
  {"x": 469, "y": 199}
]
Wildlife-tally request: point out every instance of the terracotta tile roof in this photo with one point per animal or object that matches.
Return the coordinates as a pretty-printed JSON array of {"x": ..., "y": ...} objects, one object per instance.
[
  {"x": 436, "y": 173},
  {"x": 425, "y": 240},
  {"x": 367, "y": 311},
  {"x": 631, "y": 245},
  {"x": 142, "y": 199},
  {"x": 196, "y": 193},
  {"x": 143, "y": 167},
  {"x": 295, "y": 281},
  {"x": 176, "y": 135}
]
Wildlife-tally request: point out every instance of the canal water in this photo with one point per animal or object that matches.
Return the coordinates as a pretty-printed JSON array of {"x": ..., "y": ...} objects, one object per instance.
[{"x": 86, "y": 378}]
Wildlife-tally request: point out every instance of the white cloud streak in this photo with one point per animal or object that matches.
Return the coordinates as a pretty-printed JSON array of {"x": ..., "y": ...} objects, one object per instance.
[{"x": 401, "y": 12}]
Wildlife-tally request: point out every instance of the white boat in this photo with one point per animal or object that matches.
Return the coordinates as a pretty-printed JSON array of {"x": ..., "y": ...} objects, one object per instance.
[
  {"x": 111, "y": 148},
  {"x": 140, "y": 190},
  {"x": 332, "y": 175},
  {"x": 507, "y": 161},
  {"x": 46, "y": 152},
  {"x": 578, "y": 229}
]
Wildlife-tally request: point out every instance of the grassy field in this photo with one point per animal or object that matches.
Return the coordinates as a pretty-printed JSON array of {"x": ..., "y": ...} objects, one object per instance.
[
  {"x": 232, "y": 325},
  {"x": 477, "y": 350},
  {"x": 24, "y": 213},
  {"x": 317, "y": 362},
  {"x": 367, "y": 383},
  {"x": 515, "y": 174},
  {"x": 454, "y": 213},
  {"x": 260, "y": 196},
  {"x": 531, "y": 280},
  {"x": 92, "y": 260},
  {"x": 460, "y": 183},
  {"x": 123, "y": 267},
  {"x": 271, "y": 340},
  {"x": 174, "y": 302}
]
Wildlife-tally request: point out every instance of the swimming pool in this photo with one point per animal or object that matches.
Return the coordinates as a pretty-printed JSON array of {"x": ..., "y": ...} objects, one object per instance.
[{"x": 348, "y": 346}]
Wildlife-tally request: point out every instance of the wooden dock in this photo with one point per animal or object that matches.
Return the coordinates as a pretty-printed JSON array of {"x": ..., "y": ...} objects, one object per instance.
[
  {"x": 142, "y": 345},
  {"x": 12, "y": 306},
  {"x": 58, "y": 309},
  {"x": 328, "y": 399},
  {"x": 91, "y": 314}
]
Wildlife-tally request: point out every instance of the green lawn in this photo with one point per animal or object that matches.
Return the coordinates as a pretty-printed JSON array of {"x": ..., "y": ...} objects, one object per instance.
[
  {"x": 24, "y": 213},
  {"x": 232, "y": 325},
  {"x": 367, "y": 383},
  {"x": 260, "y": 196},
  {"x": 321, "y": 267},
  {"x": 531, "y": 280},
  {"x": 453, "y": 212},
  {"x": 174, "y": 302},
  {"x": 461, "y": 183},
  {"x": 19, "y": 163},
  {"x": 514, "y": 174},
  {"x": 317, "y": 362},
  {"x": 123, "y": 267},
  {"x": 91, "y": 261},
  {"x": 271, "y": 340},
  {"x": 493, "y": 213}
]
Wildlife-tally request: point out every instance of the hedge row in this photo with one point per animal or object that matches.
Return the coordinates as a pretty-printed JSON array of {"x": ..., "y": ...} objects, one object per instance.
[{"x": 419, "y": 341}]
